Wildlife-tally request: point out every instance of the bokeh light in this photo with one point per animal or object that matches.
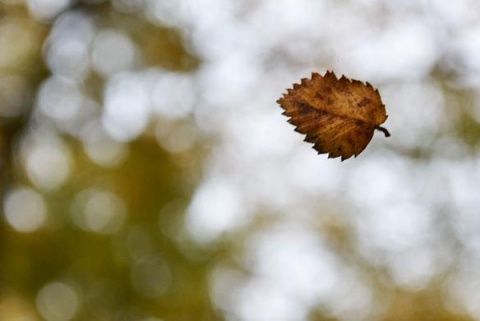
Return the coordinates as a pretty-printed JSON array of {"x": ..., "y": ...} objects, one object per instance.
[
  {"x": 57, "y": 301},
  {"x": 127, "y": 108},
  {"x": 98, "y": 211},
  {"x": 47, "y": 9},
  {"x": 112, "y": 52},
  {"x": 47, "y": 160},
  {"x": 25, "y": 210}
]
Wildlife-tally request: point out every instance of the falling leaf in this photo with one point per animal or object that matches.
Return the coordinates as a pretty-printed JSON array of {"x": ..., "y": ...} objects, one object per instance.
[{"x": 338, "y": 116}]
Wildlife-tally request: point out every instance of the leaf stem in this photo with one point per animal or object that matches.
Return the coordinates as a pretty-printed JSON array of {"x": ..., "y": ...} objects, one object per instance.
[{"x": 383, "y": 130}]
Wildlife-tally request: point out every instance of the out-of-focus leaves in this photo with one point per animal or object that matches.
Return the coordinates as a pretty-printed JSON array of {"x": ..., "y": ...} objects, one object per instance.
[{"x": 138, "y": 269}]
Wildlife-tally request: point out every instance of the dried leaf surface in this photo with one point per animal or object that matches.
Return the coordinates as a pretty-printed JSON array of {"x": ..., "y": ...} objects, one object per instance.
[{"x": 338, "y": 116}]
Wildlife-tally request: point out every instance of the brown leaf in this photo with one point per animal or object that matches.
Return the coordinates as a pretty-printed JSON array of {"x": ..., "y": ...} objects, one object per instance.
[{"x": 338, "y": 116}]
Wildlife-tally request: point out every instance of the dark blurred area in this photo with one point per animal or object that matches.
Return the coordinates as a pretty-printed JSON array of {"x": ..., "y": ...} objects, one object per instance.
[
  {"x": 93, "y": 203},
  {"x": 148, "y": 175}
]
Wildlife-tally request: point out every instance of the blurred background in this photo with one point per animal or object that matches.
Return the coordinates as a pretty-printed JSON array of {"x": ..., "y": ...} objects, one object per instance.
[{"x": 147, "y": 174}]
